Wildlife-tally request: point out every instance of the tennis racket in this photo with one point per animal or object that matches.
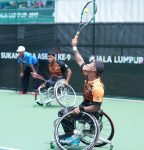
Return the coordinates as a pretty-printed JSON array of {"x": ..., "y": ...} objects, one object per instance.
[
  {"x": 37, "y": 76},
  {"x": 87, "y": 15}
]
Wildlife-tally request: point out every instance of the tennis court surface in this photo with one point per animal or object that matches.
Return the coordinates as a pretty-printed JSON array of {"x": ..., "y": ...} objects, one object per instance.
[{"x": 26, "y": 126}]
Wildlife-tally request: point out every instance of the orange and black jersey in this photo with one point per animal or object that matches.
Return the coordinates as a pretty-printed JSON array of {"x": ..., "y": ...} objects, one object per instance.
[
  {"x": 58, "y": 69},
  {"x": 93, "y": 90}
]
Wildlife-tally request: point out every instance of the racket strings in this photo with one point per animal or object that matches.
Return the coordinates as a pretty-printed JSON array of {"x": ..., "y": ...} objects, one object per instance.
[{"x": 88, "y": 13}]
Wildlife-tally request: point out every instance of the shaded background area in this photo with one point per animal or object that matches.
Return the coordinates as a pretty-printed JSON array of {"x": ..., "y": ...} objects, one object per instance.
[{"x": 101, "y": 39}]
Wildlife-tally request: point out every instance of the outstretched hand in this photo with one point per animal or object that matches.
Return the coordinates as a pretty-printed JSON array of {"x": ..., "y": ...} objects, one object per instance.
[
  {"x": 76, "y": 110},
  {"x": 75, "y": 40},
  {"x": 34, "y": 74},
  {"x": 21, "y": 75},
  {"x": 65, "y": 82}
]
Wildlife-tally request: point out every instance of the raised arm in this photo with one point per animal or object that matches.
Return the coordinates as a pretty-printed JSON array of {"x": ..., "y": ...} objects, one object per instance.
[{"x": 79, "y": 59}]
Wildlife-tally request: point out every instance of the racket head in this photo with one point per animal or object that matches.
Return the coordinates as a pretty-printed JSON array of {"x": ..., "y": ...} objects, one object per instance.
[{"x": 87, "y": 15}]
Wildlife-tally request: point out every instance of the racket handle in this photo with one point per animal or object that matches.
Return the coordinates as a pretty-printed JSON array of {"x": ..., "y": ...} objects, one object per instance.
[{"x": 77, "y": 33}]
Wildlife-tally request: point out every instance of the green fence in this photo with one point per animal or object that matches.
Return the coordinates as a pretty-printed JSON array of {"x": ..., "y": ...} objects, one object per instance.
[{"x": 26, "y": 11}]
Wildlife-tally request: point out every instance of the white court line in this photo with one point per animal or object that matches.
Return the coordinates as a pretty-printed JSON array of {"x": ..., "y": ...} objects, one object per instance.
[
  {"x": 1, "y": 90},
  {"x": 125, "y": 99},
  {"x": 121, "y": 99},
  {"x": 6, "y": 148},
  {"x": 108, "y": 98}
]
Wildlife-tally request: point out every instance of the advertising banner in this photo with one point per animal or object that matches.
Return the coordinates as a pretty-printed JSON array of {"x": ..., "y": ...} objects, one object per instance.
[{"x": 124, "y": 62}]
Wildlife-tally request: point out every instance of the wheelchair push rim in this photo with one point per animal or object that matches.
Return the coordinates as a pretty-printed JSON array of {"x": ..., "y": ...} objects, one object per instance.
[
  {"x": 83, "y": 125},
  {"x": 65, "y": 95}
]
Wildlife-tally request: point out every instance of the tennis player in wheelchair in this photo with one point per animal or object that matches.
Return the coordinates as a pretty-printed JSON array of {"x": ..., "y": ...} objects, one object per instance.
[
  {"x": 50, "y": 89},
  {"x": 92, "y": 95},
  {"x": 58, "y": 70}
]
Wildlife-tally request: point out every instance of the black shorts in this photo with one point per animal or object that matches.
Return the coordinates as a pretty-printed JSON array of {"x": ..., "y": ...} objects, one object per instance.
[{"x": 89, "y": 103}]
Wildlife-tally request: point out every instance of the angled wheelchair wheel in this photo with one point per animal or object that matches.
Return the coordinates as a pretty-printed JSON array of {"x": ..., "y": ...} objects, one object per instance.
[
  {"x": 81, "y": 126},
  {"x": 44, "y": 96},
  {"x": 65, "y": 95},
  {"x": 106, "y": 129},
  {"x": 61, "y": 81}
]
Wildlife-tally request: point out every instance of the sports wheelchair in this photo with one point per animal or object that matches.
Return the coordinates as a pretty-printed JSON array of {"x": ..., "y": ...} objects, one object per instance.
[
  {"x": 62, "y": 93},
  {"x": 92, "y": 130}
]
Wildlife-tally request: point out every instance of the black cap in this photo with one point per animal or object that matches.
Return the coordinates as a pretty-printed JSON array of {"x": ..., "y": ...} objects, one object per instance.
[
  {"x": 52, "y": 53},
  {"x": 99, "y": 67}
]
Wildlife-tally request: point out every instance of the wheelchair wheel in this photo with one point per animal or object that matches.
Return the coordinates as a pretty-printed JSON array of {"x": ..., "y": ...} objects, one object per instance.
[
  {"x": 82, "y": 126},
  {"x": 65, "y": 95},
  {"x": 61, "y": 81},
  {"x": 106, "y": 129},
  {"x": 44, "y": 96}
]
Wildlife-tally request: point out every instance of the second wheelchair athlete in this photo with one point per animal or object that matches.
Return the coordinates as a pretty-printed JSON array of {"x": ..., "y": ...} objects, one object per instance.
[{"x": 58, "y": 70}]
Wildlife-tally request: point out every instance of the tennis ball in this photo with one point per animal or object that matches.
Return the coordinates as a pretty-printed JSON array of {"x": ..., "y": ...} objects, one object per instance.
[{"x": 86, "y": 10}]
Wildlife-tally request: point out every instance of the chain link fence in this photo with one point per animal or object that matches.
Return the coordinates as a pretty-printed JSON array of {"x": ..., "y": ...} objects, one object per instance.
[{"x": 26, "y": 11}]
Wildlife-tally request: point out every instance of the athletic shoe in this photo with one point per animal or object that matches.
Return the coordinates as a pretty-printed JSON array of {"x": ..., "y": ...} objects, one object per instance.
[
  {"x": 72, "y": 140},
  {"x": 21, "y": 93}
]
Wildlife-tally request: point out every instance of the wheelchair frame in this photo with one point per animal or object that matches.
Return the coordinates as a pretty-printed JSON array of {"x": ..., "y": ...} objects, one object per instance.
[
  {"x": 102, "y": 122},
  {"x": 60, "y": 92}
]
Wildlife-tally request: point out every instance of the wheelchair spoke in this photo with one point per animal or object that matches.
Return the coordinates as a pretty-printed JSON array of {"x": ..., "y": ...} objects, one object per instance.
[{"x": 65, "y": 95}]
